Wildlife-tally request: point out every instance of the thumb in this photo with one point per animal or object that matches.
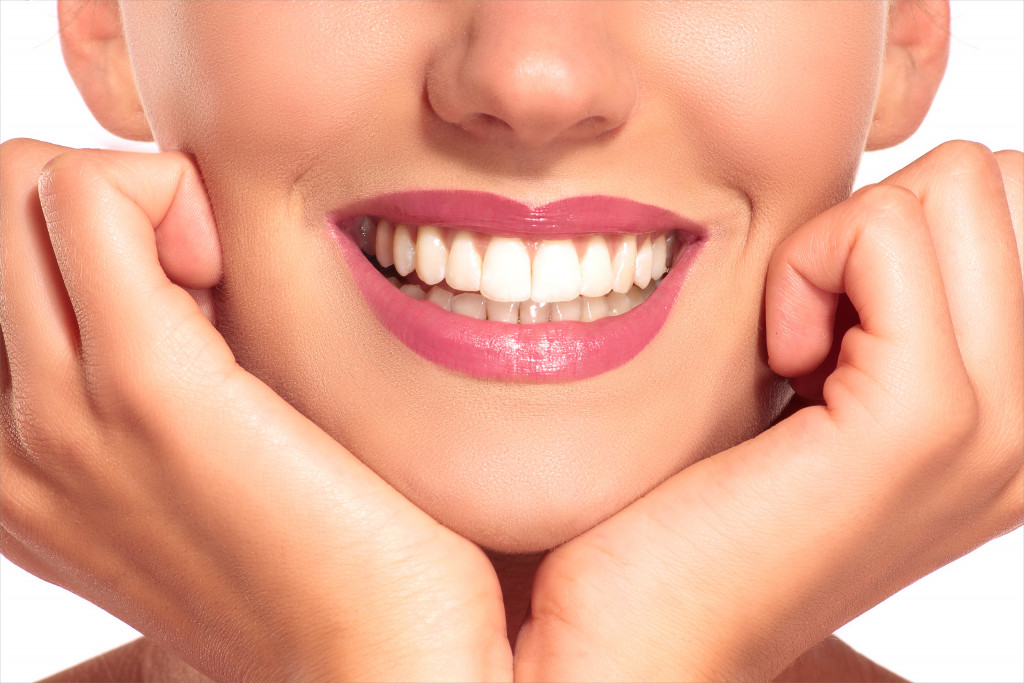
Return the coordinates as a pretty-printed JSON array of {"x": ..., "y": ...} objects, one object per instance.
[{"x": 187, "y": 244}]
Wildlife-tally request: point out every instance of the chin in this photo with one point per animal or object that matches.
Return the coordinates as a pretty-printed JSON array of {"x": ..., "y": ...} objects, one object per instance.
[
  {"x": 525, "y": 512},
  {"x": 516, "y": 489}
]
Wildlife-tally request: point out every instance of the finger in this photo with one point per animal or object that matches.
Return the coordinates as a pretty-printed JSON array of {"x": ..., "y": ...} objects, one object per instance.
[
  {"x": 965, "y": 206},
  {"x": 106, "y": 247},
  {"x": 1011, "y": 167},
  {"x": 875, "y": 248},
  {"x": 810, "y": 386},
  {"x": 36, "y": 317}
]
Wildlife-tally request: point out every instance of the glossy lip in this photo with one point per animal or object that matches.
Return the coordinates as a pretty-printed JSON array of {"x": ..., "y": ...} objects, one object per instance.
[
  {"x": 554, "y": 351},
  {"x": 493, "y": 214}
]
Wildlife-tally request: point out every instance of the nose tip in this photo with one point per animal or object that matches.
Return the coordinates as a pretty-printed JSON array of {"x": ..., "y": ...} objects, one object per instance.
[{"x": 532, "y": 74}]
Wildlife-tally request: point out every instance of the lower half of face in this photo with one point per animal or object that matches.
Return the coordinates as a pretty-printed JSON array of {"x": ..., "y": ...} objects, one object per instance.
[
  {"x": 741, "y": 120},
  {"x": 515, "y": 466}
]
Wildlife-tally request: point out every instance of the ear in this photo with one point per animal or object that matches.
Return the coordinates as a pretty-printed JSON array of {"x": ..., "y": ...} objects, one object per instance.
[
  {"x": 916, "y": 52},
  {"x": 96, "y": 57}
]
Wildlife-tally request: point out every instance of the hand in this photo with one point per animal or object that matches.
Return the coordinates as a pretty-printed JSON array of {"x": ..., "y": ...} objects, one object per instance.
[
  {"x": 146, "y": 471},
  {"x": 735, "y": 566}
]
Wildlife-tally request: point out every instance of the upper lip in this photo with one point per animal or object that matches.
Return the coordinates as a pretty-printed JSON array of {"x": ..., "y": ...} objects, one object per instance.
[{"x": 490, "y": 213}]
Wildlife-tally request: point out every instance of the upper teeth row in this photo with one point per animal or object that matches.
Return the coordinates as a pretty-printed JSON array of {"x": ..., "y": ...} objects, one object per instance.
[{"x": 556, "y": 270}]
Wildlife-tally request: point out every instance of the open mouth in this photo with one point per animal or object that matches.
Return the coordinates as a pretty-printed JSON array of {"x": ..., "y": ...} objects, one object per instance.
[
  {"x": 487, "y": 286},
  {"x": 514, "y": 279}
]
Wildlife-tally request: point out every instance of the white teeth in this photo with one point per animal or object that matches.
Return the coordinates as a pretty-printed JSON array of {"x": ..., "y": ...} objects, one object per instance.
[
  {"x": 618, "y": 303},
  {"x": 472, "y": 305},
  {"x": 565, "y": 280},
  {"x": 644, "y": 256},
  {"x": 658, "y": 257},
  {"x": 384, "y": 243},
  {"x": 440, "y": 296},
  {"x": 596, "y": 268},
  {"x": 624, "y": 264},
  {"x": 404, "y": 251},
  {"x": 567, "y": 310},
  {"x": 431, "y": 255},
  {"x": 414, "y": 291},
  {"x": 532, "y": 312},
  {"x": 503, "y": 311},
  {"x": 464, "y": 263},
  {"x": 594, "y": 308},
  {"x": 556, "y": 272},
  {"x": 506, "y": 270}
]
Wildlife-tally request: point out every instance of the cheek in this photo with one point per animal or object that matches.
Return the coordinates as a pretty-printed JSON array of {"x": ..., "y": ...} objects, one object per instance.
[
  {"x": 262, "y": 79},
  {"x": 777, "y": 93}
]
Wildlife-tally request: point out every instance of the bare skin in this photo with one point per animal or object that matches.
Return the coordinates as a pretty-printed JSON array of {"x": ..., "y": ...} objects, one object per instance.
[{"x": 255, "y": 528}]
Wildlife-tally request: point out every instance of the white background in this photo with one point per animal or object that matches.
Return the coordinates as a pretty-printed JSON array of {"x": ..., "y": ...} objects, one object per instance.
[{"x": 965, "y": 622}]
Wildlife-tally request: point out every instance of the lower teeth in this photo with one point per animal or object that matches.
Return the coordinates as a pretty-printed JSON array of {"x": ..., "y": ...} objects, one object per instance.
[{"x": 475, "y": 305}]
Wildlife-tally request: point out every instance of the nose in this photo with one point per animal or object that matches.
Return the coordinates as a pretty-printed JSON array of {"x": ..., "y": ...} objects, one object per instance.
[{"x": 532, "y": 74}]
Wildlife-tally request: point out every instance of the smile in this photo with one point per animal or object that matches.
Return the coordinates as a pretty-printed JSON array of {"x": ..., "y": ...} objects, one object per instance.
[
  {"x": 516, "y": 280},
  {"x": 487, "y": 286}
]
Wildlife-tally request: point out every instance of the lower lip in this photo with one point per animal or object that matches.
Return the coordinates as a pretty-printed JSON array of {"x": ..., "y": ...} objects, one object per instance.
[{"x": 541, "y": 352}]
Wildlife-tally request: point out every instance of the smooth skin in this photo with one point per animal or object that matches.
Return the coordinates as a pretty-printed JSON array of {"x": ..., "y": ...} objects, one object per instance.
[{"x": 125, "y": 412}]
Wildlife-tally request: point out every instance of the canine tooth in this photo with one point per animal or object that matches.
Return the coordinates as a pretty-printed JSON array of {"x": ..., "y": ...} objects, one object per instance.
[
  {"x": 596, "y": 268},
  {"x": 643, "y": 264},
  {"x": 594, "y": 308},
  {"x": 649, "y": 289},
  {"x": 624, "y": 264},
  {"x": 384, "y": 243},
  {"x": 464, "y": 263},
  {"x": 618, "y": 303},
  {"x": 468, "y": 304},
  {"x": 556, "y": 271},
  {"x": 367, "y": 235},
  {"x": 567, "y": 310},
  {"x": 395, "y": 281},
  {"x": 505, "y": 275},
  {"x": 659, "y": 257},
  {"x": 440, "y": 296},
  {"x": 636, "y": 297},
  {"x": 532, "y": 312},
  {"x": 503, "y": 311},
  {"x": 414, "y": 291},
  {"x": 404, "y": 250},
  {"x": 431, "y": 254}
]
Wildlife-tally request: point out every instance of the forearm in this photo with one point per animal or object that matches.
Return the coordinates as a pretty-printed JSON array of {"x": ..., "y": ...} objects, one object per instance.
[{"x": 140, "y": 660}]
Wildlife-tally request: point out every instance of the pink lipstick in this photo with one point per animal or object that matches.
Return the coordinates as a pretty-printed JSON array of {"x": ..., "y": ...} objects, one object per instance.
[{"x": 545, "y": 351}]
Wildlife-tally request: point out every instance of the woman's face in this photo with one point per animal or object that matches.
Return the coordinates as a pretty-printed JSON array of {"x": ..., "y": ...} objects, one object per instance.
[{"x": 742, "y": 119}]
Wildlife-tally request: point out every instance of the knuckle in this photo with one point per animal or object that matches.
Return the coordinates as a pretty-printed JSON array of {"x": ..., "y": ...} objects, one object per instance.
[
  {"x": 958, "y": 157},
  {"x": 16, "y": 157},
  {"x": 885, "y": 200},
  {"x": 1013, "y": 158},
  {"x": 885, "y": 208},
  {"x": 67, "y": 168}
]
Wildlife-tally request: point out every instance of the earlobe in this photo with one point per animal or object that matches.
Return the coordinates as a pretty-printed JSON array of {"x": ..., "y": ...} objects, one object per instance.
[
  {"x": 96, "y": 57},
  {"x": 916, "y": 52}
]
